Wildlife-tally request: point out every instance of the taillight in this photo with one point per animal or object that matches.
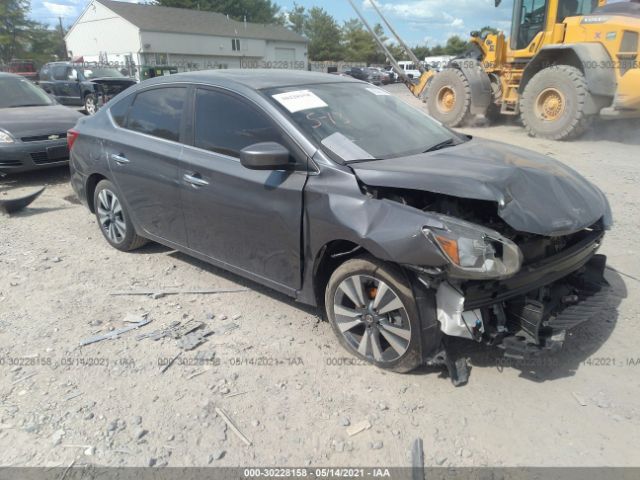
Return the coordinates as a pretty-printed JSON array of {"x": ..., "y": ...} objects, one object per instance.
[{"x": 72, "y": 135}]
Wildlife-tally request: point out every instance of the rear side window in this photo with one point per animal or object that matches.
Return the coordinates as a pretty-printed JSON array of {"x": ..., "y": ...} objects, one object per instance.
[
  {"x": 158, "y": 112},
  {"x": 225, "y": 124},
  {"x": 120, "y": 109},
  {"x": 60, "y": 72}
]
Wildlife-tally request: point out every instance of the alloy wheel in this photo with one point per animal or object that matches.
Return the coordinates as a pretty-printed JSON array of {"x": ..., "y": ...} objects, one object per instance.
[
  {"x": 90, "y": 105},
  {"x": 372, "y": 318},
  {"x": 111, "y": 216}
]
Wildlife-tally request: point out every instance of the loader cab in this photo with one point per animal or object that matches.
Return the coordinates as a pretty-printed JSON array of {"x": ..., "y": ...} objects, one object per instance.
[{"x": 532, "y": 18}]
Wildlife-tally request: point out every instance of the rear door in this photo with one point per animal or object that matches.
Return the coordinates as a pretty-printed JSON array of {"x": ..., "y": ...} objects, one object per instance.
[
  {"x": 246, "y": 220},
  {"x": 143, "y": 152}
]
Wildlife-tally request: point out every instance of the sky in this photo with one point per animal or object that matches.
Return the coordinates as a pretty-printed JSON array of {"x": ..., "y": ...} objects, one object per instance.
[{"x": 418, "y": 22}]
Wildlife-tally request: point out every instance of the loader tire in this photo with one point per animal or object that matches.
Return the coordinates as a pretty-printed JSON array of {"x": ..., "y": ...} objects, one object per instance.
[
  {"x": 449, "y": 97},
  {"x": 553, "y": 104}
]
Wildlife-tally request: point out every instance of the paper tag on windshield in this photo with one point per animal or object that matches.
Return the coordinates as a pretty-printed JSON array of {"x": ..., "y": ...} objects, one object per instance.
[
  {"x": 378, "y": 91},
  {"x": 299, "y": 100}
]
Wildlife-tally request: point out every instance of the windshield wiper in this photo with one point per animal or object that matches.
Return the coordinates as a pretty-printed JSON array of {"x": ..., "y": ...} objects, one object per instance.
[{"x": 450, "y": 142}]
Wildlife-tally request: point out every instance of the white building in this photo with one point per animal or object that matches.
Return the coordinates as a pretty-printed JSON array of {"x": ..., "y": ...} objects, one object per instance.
[{"x": 124, "y": 34}]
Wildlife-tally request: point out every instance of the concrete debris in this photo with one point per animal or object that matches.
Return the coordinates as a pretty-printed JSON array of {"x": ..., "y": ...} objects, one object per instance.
[
  {"x": 114, "y": 333},
  {"x": 216, "y": 455},
  {"x": 232, "y": 426},
  {"x": 417, "y": 460},
  {"x": 358, "y": 427},
  {"x": 376, "y": 445},
  {"x": 579, "y": 399},
  {"x": 170, "y": 362}
]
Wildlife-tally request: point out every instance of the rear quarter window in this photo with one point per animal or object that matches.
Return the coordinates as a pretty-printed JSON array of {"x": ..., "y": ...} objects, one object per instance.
[{"x": 120, "y": 109}]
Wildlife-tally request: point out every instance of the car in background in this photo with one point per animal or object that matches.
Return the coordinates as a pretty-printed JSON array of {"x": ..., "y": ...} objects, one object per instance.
[
  {"x": 83, "y": 85},
  {"x": 358, "y": 73},
  {"x": 385, "y": 77},
  {"x": 410, "y": 69},
  {"x": 24, "y": 68},
  {"x": 373, "y": 75},
  {"x": 404, "y": 233},
  {"x": 33, "y": 126}
]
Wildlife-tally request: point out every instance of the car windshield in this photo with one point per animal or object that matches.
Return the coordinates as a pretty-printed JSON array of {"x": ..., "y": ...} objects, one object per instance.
[
  {"x": 90, "y": 73},
  {"x": 20, "y": 92},
  {"x": 355, "y": 122}
]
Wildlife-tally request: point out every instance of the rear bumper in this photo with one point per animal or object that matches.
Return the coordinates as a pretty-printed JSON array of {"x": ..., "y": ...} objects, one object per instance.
[{"x": 28, "y": 156}]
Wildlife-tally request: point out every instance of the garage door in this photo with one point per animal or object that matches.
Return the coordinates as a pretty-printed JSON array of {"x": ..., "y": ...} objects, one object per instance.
[{"x": 285, "y": 54}]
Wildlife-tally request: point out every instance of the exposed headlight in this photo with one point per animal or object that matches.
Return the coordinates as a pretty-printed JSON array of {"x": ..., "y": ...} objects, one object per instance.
[
  {"x": 472, "y": 250},
  {"x": 5, "y": 137}
]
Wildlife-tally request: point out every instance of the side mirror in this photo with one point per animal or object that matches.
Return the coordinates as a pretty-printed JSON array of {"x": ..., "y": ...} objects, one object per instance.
[{"x": 265, "y": 156}]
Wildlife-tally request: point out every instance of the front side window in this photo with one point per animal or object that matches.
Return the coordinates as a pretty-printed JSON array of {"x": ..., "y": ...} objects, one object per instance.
[
  {"x": 158, "y": 112},
  {"x": 528, "y": 20},
  {"x": 226, "y": 124},
  {"x": 344, "y": 120}
]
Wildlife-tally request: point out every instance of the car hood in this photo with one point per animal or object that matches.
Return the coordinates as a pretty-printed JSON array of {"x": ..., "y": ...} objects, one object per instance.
[
  {"x": 534, "y": 193},
  {"x": 33, "y": 121},
  {"x": 114, "y": 80}
]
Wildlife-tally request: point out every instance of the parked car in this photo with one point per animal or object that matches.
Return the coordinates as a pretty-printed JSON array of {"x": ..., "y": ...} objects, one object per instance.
[
  {"x": 33, "y": 126},
  {"x": 393, "y": 76},
  {"x": 373, "y": 76},
  {"x": 83, "y": 85},
  {"x": 385, "y": 77},
  {"x": 403, "y": 233},
  {"x": 24, "y": 68},
  {"x": 359, "y": 73},
  {"x": 410, "y": 68}
]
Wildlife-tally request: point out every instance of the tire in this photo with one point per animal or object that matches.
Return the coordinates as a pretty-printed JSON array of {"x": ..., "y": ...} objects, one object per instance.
[
  {"x": 113, "y": 219},
  {"x": 90, "y": 104},
  {"x": 553, "y": 104},
  {"x": 392, "y": 337},
  {"x": 449, "y": 97}
]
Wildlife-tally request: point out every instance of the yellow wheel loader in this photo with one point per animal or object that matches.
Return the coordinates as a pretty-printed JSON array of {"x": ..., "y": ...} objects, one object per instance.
[{"x": 565, "y": 62}]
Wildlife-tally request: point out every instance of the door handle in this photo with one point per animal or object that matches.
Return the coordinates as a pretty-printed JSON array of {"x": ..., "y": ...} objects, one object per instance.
[
  {"x": 194, "y": 180},
  {"x": 119, "y": 159}
]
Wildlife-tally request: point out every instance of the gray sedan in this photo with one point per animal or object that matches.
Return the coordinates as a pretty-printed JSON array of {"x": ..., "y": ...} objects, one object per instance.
[
  {"x": 404, "y": 234},
  {"x": 33, "y": 127}
]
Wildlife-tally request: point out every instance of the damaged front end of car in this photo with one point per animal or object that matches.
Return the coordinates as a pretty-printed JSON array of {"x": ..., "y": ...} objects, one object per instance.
[{"x": 518, "y": 291}]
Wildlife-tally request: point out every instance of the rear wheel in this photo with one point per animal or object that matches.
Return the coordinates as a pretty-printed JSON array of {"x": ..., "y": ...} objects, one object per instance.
[
  {"x": 90, "y": 104},
  {"x": 449, "y": 97},
  {"x": 373, "y": 312},
  {"x": 553, "y": 104},
  {"x": 113, "y": 219}
]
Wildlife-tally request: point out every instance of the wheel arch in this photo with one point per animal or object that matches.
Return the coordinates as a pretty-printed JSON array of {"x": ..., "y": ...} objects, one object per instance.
[
  {"x": 90, "y": 188},
  {"x": 586, "y": 57}
]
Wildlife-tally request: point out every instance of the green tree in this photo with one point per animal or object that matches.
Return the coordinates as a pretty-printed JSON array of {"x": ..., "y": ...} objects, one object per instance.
[
  {"x": 360, "y": 45},
  {"x": 297, "y": 18},
  {"x": 256, "y": 11},
  {"x": 455, "y": 46},
  {"x": 324, "y": 35},
  {"x": 421, "y": 51},
  {"x": 14, "y": 28}
]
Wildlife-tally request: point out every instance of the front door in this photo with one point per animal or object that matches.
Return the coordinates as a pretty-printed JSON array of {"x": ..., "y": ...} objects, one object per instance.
[
  {"x": 143, "y": 155},
  {"x": 246, "y": 220}
]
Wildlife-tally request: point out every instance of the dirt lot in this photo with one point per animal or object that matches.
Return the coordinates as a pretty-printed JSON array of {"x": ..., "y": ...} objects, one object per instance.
[{"x": 281, "y": 376}]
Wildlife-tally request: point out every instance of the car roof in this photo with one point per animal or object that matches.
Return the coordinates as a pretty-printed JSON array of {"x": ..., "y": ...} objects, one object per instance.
[{"x": 253, "y": 78}]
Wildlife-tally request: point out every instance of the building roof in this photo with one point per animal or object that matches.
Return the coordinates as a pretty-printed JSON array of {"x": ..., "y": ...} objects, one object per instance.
[{"x": 181, "y": 20}]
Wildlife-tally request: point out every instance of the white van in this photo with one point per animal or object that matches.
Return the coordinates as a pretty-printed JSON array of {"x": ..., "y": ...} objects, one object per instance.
[{"x": 410, "y": 68}]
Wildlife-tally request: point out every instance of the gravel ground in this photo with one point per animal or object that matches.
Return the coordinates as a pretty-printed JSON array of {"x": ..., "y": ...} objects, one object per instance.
[{"x": 281, "y": 376}]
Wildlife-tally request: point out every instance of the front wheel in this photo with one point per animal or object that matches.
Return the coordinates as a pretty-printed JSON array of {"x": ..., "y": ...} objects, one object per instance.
[
  {"x": 373, "y": 312},
  {"x": 449, "y": 97}
]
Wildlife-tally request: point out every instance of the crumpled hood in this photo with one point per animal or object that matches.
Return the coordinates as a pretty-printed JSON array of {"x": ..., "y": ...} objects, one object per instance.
[
  {"x": 32, "y": 121},
  {"x": 534, "y": 193}
]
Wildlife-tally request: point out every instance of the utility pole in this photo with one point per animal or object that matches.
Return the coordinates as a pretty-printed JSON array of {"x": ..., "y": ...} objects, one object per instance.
[{"x": 63, "y": 45}]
